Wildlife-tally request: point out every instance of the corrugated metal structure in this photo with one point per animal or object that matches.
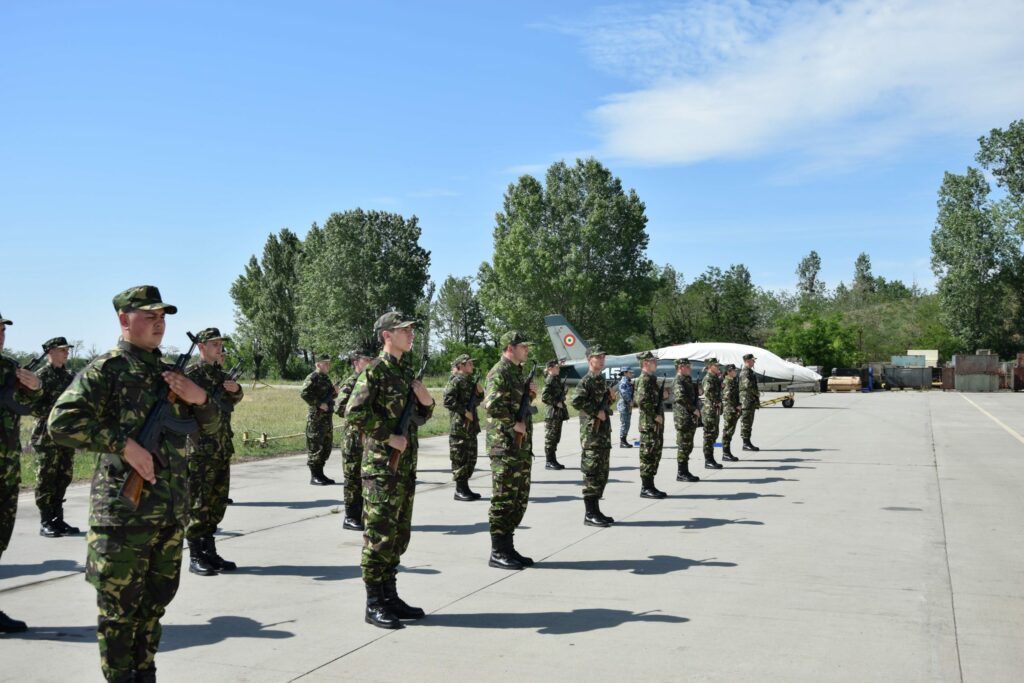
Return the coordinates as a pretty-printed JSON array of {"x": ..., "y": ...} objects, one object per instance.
[
  {"x": 948, "y": 379},
  {"x": 908, "y": 378},
  {"x": 979, "y": 372},
  {"x": 908, "y": 361}
]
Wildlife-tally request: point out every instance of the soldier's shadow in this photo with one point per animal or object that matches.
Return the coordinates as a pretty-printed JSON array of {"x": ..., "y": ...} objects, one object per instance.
[
  {"x": 315, "y": 572},
  {"x": 653, "y": 565},
  {"x": 740, "y": 495},
  {"x": 779, "y": 468},
  {"x": 695, "y": 523},
  {"x": 761, "y": 480},
  {"x": 551, "y": 623},
  {"x": 553, "y": 499},
  {"x": 8, "y": 571},
  {"x": 175, "y": 636},
  {"x": 577, "y": 482},
  {"x": 290, "y": 504},
  {"x": 454, "y": 529}
]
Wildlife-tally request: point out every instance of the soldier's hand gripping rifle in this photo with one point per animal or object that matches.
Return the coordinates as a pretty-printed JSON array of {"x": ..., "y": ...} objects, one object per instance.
[
  {"x": 159, "y": 419},
  {"x": 7, "y": 399},
  {"x": 603, "y": 407},
  {"x": 220, "y": 395},
  {"x": 525, "y": 406},
  {"x": 409, "y": 417},
  {"x": 474, "y": 401}
]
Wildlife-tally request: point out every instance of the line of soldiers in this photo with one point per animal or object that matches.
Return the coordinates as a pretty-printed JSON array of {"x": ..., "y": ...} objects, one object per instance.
[{"x": 134, "y": 548}]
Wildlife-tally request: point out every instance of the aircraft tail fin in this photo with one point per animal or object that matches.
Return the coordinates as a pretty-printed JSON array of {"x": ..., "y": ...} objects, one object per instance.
[{"x": 569, "y": 346}]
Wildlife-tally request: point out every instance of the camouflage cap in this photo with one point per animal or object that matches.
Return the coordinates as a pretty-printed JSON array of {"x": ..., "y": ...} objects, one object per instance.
[
  {"x": 359, "y": 352},
  {"x": 553, "y": 363},
  {"x": 730, "y": 367},
  {"x": 211, "y": 334},
  {"x": 645, "y": 355},
  {"x": 595, "y": 350},
  {"x": 5, "y": 321},
  {"x": 459, "y": 360},
  {"x": 512, "y": 338},
  {"x": 708, "y": 362},
  {"x": 749, "y": 356},
  {"x": 56, "y": 343},
  {"x": 324, "y": 357},
  {"x": 142, "y": 298},
  {"x": 682, "y": 361},
  {"x": 393, "y": 320}
]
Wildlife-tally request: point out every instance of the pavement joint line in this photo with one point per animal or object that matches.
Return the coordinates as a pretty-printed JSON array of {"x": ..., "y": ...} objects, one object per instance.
[
  {"x": 1010, "y": 430},
  {"x": 15, "y": 589},
  {"x": 945, "y": 538}
]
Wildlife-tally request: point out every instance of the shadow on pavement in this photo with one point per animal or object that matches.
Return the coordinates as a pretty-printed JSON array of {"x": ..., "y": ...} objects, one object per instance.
[
  {"x": 455, "y": 529},
  {"x": 695, "y": 523},
  {"x": 741, "y": 495},
  {"x": 319, "y": 572},
  {"x": 762, "y": 480},
  {"x": 778, "y": 467},
  {"x": 175, "y": 636},
  {"x": 794, "y": 450},
  {"x": 655, "y": 564},
  {"x": 553, "y": 499},
  {"x": 291, "y": 504},
  {"x": 551, "y": 623},
  {"x": 623, "y": 468},
  {"x": 578, "y": 482},
  {"x": 8, "y": 571}
]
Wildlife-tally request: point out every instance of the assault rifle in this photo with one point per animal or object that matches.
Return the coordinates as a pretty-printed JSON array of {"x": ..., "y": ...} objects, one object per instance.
[
  {"x": 220, "y": 394},
  {"x": 409, "y": 417},
  {"x": 7, "y": 399},
  {"x": 525, "y": 405},
  {"x": 661, "y": 405},
  {"x": 159, "y": 419},
  {"x": 474, "y": 401},
  {"x": 604, "y": 406}
]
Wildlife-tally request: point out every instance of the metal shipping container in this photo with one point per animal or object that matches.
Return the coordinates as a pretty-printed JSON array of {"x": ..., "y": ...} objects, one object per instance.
[
  {"x": 909, "y": 378},
  {"x": 974, "y": 383},
  {"x": 948, "y": 379},
  {"x": 976, "y": 365},
  {"x": 908, "y": 361}
]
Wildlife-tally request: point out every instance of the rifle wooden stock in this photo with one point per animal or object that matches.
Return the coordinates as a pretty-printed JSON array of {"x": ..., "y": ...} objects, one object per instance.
[{"x": 131, "y": 490}]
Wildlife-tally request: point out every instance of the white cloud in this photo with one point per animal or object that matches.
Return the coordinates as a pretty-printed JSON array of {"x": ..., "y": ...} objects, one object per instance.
[{"x": 837, "y": 83}]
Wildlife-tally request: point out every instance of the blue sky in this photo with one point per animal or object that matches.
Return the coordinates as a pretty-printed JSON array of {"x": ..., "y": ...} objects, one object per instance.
[{"x": 161, "y": 142}]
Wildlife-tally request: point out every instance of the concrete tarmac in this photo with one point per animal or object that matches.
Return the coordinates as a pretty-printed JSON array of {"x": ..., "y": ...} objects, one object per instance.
[{"x": 873, "y": 538}]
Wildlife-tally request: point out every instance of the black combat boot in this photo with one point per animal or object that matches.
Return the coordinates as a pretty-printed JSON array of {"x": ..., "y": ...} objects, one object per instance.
[
  {"x": 378, "y": 612},
  {"x": 683, "y": 473},
  {"x": 710, "y": 464},
  {"x": 353, "y": 516},
  {"x": 593, "y": 516},
  {"x": 510, "y": 544},
  {"x": 397, "y": 605},
  {"x": 145, "y": 675},
  {"x": 551, "y": 462},
  {"x": 231, "y": 501},
  {"x": 462, "y": 491},
  {"x": 8, "y": 625},
  {"x": 198, "y": 563},
  {"x": 65, "y": 528},
  {"x": 747, "y": 446},
  {"x": 727, "y": 453},
  {"x": 48, "y": 526},
  {"x": 648, "y": 490},
  {"x": 218, "y": 562},
  {"x": 317, "y": 476},
  {"x": 501, "y": 558},
  {"x": 624, "y": 444}
]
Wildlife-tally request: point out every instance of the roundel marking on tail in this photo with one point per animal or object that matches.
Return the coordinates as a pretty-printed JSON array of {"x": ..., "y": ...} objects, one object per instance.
[{"x": 569, "y": 340}]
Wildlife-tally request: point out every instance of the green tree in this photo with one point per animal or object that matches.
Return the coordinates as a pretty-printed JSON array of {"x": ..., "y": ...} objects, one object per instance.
[
  {"x": 816, "y": 339},
  {"x": 355, "y": 268},
  {"x": 738, "y": 306},
  {"x": 576, "y": 246},
  {"x": 457, "y": 314},
  {"x": 1002, "y": 153},
  {"x": 809, "y": 284}
]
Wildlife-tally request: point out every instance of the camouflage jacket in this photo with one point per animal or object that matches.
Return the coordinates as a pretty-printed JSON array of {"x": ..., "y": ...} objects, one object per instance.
[
  {"x": 457, "y": 394},
  {"x": 648, "y": 396},
  {"x": 376, "y": 406},
  {"x": 318, "y": 389},
  {"x": 10, "y": 422},
  {"x": 587, "y": 398},
  {"x": 53, "y": 381},
  {"x": 711, "y": 387},
  {"x": 503, "y": 391},
  {"x": 750, "y": 395},
  {"x": 211, "y": 378},
  {"x": 554, "y": 396},
  {"x": 345, "y": 393},
  {"x": 684, "y": 398},
  {"x": 730, "y": 393},
  {"x": 105, "y": 405}
]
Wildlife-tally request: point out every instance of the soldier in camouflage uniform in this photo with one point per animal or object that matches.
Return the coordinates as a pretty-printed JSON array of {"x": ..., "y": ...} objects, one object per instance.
[
  {"x": 461, "y": 397},
  {"x": 649, "y": 399},
  {"x": 750, "y": 400},
  {"x": 555, "y": 414},
  {"x": 730, "y": 411},
  {"x": 134, "y": 554},
  {"x": 594, "y": 398},
  {"x": 711, "y": 408},
  {"x": 686, "y": 415},
  {"x": 319, "y": 392},
  {"x": 209, "y": 458},
  {"x": 374, "y": 409},
  {"x": 25, "y": 389},
  {"x": 55, "y": 463},
  {"x": 510, "y": 462},
  {"x": 352, "y": 446}
]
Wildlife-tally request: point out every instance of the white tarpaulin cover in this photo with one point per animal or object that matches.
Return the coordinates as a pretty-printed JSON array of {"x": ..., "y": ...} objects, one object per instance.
[{"x": 767, "y": 363}]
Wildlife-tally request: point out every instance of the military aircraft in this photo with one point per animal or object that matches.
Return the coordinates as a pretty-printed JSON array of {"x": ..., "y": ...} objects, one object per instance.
[{"x": 771, "y": 370}]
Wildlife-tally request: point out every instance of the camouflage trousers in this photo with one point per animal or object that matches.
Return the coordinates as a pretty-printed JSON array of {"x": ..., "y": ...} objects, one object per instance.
[
  {"x": 351, "y": 465},
  {"x": 685, "y": 429},
  {"x": 10, "y": 479},
  {"x": 552, "y": 435},
  {"x": 729, "y": 419},
  {"x": 135, "y": 571},
  {"x": 510, "y": 489},
  {"x": 53, "y": 474},
  {"x": 594, "y": 465},
  {"x": 462, "y": 449},
  {"x": 651, "y": 442},
  {"x": 747, "y": 423},
  {"x": 709, "y": 421},
  {"x": 209, "y": 482},
  {"x": 625, "y": 416},
  {"x": 319, "y": 438},
  {"x": 387, "y": 516}
]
